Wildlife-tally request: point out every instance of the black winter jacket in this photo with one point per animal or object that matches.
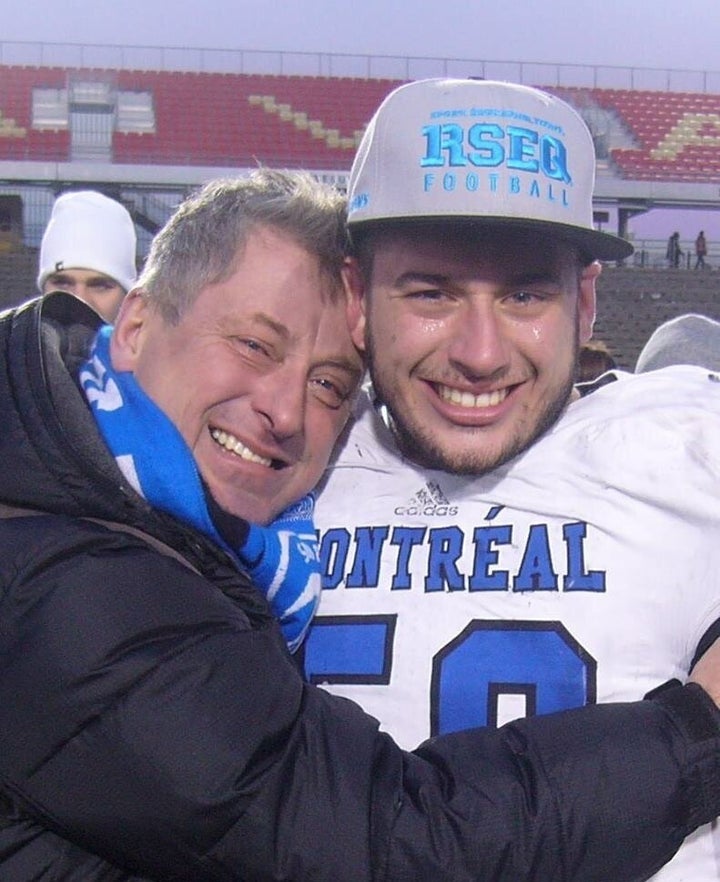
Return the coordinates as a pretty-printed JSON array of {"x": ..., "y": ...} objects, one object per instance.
[{"x": 153, "y": 726}]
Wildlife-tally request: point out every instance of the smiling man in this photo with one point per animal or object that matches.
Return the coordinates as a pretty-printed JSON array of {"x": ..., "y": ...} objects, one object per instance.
[
  {"x": 153, "y": 724},
  {"x": 472, "y": 339},
  {"x": 259, "y": 395},
  {"x": 517, "y": 551}
]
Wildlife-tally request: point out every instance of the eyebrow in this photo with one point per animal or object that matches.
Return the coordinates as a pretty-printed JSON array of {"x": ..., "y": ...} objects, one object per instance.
[
  {"x": 426, "y": 278},
  {"x": 262, "y": 318},
  {"x": 552, "y": 276},
  {"x": 533, "y": 278},
  {"x": 343, "y": 364},
  {"x": 68, "y": 274}
]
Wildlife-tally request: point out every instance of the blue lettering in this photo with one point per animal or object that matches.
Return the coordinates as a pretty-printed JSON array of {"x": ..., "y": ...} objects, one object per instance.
[
  {"x": 554, "y": 159},
  {"x": 486, "y": 556},
  {"x": 577, "y": 579},
  {"x": 443, "y": 138},
  {"x": 359, "y": 201},
  {"x": 406, "y": 538},
  {"x": 445, "y": 550},
  {"x": 333, "y": 548},
  {"x": 485, "y": 138},
  {"x": 433, "y": 154},
  {"x": 536, "y": 570},
  {"x": 365, "y": 571},
  {"x": 450, "y": 145},
  {"x": 363, "y": 560},
  {"x": 522, "y": 152}
]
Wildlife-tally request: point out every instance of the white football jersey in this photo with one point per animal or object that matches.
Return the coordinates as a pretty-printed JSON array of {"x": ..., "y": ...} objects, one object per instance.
[{"x": 586, "y": 570}]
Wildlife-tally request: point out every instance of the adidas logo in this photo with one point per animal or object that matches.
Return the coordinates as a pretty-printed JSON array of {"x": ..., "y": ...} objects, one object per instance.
[{"x": 429, "y": 501}]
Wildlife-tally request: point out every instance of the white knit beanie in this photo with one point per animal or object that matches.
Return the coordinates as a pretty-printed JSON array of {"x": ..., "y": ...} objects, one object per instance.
[{"x": 89, "y": 231}]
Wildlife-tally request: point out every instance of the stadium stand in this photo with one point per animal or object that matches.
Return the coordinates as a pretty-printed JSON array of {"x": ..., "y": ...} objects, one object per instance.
[
  {"x": 147, "y": 121},
  {"x": 207, "y": 119},
  {"x": 676, "y": 135},
  {"x": 632, "y": 303},
  {"x": 215, "y": 119}
]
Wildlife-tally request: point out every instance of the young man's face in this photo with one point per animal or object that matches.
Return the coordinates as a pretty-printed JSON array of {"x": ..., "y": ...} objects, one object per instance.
[
  {"x": 472, "y": 340},
  {"x": 258, "y": 375},
  {"x": 97, "y": 290}
]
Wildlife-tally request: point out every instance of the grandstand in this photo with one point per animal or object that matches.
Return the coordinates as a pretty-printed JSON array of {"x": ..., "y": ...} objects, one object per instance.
[{"x": 148, "y": 136}]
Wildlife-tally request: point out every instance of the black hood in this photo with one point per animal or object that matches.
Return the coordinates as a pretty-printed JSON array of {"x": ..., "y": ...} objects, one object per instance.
[{"x": 51, "y": 455}]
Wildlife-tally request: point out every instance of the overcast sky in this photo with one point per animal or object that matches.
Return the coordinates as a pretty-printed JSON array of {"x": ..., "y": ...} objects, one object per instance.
[{"x": 643, "y": 33}]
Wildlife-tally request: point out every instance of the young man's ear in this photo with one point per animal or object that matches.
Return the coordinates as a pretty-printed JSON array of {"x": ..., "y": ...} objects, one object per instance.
[
  {"x": 355, "y": 291},
  {"x": 586, "y": 300},
  {"x": 128, "y": 331}
]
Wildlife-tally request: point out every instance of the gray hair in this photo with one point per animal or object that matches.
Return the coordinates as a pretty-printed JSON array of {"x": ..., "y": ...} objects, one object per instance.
[{"x": 202, "y": 242}]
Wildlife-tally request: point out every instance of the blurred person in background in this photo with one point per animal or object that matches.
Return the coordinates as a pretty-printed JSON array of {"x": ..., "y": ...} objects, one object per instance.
[
  {"x": 89, "y": 249},
  {"x": 594, "y": 359},
  {"x": 686, "y": 339},
  {"x": 673, "y": 252},
  {"x": 700, "y": 250}
]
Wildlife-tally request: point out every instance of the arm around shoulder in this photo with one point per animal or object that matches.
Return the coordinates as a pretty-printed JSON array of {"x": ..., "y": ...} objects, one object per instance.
[{"x": 172, "y": 735}]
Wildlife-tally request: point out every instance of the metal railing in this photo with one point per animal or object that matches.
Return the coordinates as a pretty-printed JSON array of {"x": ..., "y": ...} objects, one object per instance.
[
  {"x": 255, "y": 61},
  {"x": 650, "y": 254}
]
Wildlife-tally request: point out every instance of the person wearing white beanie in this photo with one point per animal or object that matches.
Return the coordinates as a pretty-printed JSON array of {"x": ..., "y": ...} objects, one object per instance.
[{"x": 88, "y": 249}]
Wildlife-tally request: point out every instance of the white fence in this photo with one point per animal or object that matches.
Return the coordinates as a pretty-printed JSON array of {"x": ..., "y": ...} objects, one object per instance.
[{"x": 336, "y": 64}]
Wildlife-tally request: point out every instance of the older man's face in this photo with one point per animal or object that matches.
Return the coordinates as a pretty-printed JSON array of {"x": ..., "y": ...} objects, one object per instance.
[{"x": 258, "y": 375}]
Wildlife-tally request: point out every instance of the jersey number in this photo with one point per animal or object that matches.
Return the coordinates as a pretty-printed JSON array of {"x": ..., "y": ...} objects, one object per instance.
[{"x": 489, "y": 662}]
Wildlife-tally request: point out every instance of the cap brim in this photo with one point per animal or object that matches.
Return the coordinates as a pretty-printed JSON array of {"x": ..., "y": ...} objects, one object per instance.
[{"x": 594, "y": 244}]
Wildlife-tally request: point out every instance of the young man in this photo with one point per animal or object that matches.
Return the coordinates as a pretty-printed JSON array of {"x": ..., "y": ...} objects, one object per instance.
[
  {"x": 88, "y": 249},
  {"x": 153, "y": 724},
  {"x": 491, "y": 550}
]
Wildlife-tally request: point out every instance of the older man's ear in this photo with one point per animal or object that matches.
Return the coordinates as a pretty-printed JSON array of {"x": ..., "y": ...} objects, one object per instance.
[
  {"x": 355, "y": 291},
  {"x": 128, "y": 330}
]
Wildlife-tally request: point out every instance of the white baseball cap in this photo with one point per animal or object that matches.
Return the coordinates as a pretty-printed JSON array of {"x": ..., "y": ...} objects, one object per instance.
[
  {"x": 481, "y": 151},
  {"x": 89, "y": 231}
]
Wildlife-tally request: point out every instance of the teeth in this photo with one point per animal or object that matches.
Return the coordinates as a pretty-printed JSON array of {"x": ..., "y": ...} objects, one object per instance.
[
  {"x": 467, "y": 399},
  {"x": 231, "y": 443}
]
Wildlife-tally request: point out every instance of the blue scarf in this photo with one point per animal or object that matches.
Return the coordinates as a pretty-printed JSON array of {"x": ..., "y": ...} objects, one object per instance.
[{"x": 282, "y": 558}]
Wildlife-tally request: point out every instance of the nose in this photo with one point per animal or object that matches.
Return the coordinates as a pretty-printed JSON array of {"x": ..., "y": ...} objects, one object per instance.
[
  {"x": 281, "y": 399},
  {"x": 480, "y": 346}
]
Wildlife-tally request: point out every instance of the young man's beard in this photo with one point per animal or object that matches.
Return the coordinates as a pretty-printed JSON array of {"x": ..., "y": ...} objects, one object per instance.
[{"x": 421, "y": 448}]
